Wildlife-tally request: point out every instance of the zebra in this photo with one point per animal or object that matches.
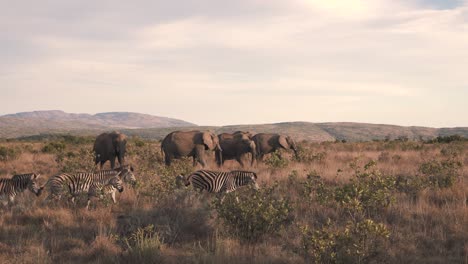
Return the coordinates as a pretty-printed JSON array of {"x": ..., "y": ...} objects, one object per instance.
[
  {"x": 79, "y": 183},
  {"x": 99, "y": 190},
  {"x": 217, "y": 182},
  {"x": 18, "y": 183}
]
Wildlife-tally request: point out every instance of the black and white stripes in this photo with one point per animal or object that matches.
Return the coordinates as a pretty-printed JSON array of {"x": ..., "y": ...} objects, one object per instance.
[
  {"x": 9, "y": 188},
  {"x": 216, "y": 182},
  {"x": 78, "y": 183}
]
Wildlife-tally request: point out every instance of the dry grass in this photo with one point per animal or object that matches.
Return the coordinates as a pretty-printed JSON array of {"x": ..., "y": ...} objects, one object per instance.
[{"x": 150, "y": 225}]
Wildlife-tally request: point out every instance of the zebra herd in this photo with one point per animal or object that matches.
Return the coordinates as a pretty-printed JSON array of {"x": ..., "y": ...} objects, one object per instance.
[
  {"x": 95, "y": 184},
  {"x": 108, "y": 182}
]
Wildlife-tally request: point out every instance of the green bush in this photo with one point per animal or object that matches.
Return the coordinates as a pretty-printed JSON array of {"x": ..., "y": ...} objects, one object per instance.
[
  {"x": 71, "y": 162},
  {"x": 368, "y": 192},
  {"x": 358, "y": 242},
  {"x": 307, "y": 156},
  {"x": 441, "y": 174},
  {"x": 165, "y": 183},
  {"x": 54, "y": 147},
  {"x": 251, "y": 214},
  {"x": 7, "y": 154},
  {"x": 316, "y": 187},
  {"x": 276, "y": 160}
]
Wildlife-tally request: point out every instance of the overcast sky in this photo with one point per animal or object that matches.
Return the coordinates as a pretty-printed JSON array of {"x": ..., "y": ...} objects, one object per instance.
[{"x": 218, "y": 62}]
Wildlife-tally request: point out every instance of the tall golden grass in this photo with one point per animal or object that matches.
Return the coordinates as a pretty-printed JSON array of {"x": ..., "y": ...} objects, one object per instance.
[{"x": 159, "y": 221}]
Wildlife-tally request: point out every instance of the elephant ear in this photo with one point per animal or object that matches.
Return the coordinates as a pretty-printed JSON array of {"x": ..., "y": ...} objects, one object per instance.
[
  {"x": 208, "y": 140},
  {"x": 283, "y": 142}
]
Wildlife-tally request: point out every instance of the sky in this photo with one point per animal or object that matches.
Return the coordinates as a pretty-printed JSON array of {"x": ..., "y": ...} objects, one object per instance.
[{"x": 213, "y": 62}]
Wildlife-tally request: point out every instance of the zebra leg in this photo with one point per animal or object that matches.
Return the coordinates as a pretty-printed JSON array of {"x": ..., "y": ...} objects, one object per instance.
[
  {"x": 113, "y": 197},
  {"x": 11, "y": 199}
]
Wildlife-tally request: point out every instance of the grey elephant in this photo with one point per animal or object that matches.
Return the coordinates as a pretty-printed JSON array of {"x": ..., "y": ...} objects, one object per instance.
[
  {"x": 267, "y": 143},
  {"x": 193, "y": 144},
  {"x": 236, "y": 146},
  {"x": 109, "y": 146}
]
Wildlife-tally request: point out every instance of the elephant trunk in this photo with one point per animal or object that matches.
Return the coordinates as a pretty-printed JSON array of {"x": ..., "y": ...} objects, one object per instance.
[
  {"x": 253, "y": 151},
  {"x": 219, "y": 154},
  {"x": 296, "y": 154}
]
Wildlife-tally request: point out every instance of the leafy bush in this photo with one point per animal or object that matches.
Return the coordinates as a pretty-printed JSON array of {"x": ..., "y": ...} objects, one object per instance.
[
  {"x": 447, "y": 139},
  {"x": 54, "y": 147},
  {"x": 410, "y": 185},
  {"x": 165, "y": 183},
  {"x": 307, "y": 156},
  {"x": 276, "y": 161},
  {"x": 368, "y": 192},
  {"x": 250, "y": 215},
  {"x": 81, "y": 161},
  {"x": 316, "y": 186},
  {"x": 138, "y": 142},
  {"x": 7, "y": 154},
  {"x": 358, "y": 242},
  {"x": 441, "y": 174}
]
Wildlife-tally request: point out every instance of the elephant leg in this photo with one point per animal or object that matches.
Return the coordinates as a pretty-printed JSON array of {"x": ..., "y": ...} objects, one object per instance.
[
  {"x": 167, "y": 159},
  {"x": 120, "y": 159},
  {"x": 239, "y": 159},
  {"x": 199, "y": 156},
  {"x": 112, "y": 161}
]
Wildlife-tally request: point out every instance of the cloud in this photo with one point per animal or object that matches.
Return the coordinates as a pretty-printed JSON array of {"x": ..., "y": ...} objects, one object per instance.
[{"x": 185, "y": 58}]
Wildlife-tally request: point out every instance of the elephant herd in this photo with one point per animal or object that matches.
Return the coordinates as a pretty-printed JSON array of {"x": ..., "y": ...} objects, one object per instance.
[{"x": 196, "y": 144}]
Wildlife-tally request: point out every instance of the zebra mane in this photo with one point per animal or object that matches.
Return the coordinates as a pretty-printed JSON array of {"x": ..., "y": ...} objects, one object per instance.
[{"x": 21, "y": 180}]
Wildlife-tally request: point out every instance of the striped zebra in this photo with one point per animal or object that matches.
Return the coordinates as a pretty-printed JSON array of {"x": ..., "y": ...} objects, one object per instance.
[
  {"x": 78, "y": 183},
  {"x": 217, "y": 182},
  {"x": 9, "y": 188},
  {"x": 99, "y": 190}
]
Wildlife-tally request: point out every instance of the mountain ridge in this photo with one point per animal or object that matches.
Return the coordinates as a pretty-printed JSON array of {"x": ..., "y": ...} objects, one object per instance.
[{"x": 26, "y": 124}]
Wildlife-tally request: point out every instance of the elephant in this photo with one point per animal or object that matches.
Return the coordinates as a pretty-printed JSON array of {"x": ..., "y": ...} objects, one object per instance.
[
  {"x": 108, "y": 146},
  {"x": 236, "y": 146},
  {"x": 267, "y": 143},
  {"x": 193, "y": 144}
]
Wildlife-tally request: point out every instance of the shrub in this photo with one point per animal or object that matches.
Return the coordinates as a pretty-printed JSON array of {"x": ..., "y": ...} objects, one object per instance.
[
  {"x": 165, "y": 183},
  {"x": 447, "y": 139},
  {"x": 358, "y": 242},
  {"x": 7, "y": 154},
  {"x": 441, "y": 174},
  {"x": 276, "y": 161},
  {"x": 81, "y": 161},
  {"x": 316, "y": 186},
  {"x": 54, "y": 147},
  {"x": 307, "y": 156},
  {"x": 368, "y": 192},
  {"x": 251, "y": 214}
]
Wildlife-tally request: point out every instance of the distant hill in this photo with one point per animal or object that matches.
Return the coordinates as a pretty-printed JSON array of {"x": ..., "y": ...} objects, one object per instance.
[
  {"x": 55, "y": 121},
  {"x": 154, "y": 127},
  {"x": 319, "y": 131}
]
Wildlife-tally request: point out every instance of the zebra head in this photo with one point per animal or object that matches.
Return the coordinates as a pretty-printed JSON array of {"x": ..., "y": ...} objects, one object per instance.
[
  {"x": 126, "y": 174},
  {"x": 253, "y": 178},
  {"x": 33, "y": 185},
  {"x": 117, "y": 183},
  {"x": 181, "y": 178}
]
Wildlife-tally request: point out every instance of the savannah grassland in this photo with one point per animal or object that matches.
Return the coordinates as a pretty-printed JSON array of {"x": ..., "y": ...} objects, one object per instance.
[{"x": 370, "y": 202}]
